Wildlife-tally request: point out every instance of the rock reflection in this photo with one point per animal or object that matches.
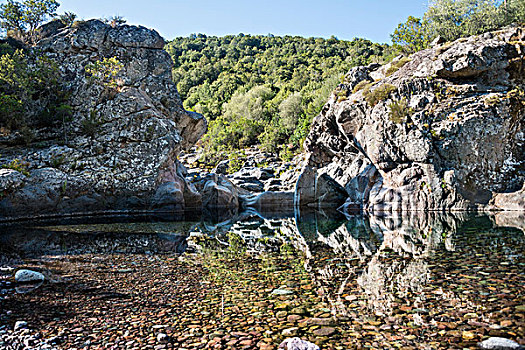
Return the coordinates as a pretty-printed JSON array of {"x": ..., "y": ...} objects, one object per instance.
[
  {"x": 372, "y": 260},
  {"x": 385, "y": 258}
]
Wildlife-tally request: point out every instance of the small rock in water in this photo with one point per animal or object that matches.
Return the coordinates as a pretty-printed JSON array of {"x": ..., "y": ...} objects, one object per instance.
[
  {"x": 290, "y": 332},
  {"x": 297, "y": 344},
  {"x": 162, "y": 338},
  {"x": 281, "y": 292},
  {"x": 20, "y": 325},
  {"x": 22, "y": 276},
  {"x": 325, "y": 331},
  {"x": 496, "y": 343}
]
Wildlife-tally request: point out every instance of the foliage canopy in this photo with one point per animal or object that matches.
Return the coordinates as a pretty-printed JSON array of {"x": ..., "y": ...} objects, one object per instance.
[
  {"x": 454, "y": 19},
  {"x": 262, "y": 89},
  {"x": 22, "y": 18}
]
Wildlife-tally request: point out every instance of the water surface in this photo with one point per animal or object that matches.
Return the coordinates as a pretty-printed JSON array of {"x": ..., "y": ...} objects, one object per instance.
[{"x": 417, "y": 281}]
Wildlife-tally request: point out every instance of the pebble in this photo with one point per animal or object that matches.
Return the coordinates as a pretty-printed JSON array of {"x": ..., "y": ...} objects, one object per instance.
[
  {"x": 320, "y": 321},
  {"x": 324, "y": 331},
  {"x": 297, "y": 344},
  {"x": 496, "y": 343},
  {"x": 290, "y": 332},
  {"x": 20, "y": 325},
  {"x": 281, "y": 292},
  {"x": 162, "y": 338},
  {"x": 22, "y": 276}
]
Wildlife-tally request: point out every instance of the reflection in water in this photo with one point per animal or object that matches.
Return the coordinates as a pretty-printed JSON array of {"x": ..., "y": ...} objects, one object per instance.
[{"x": 388, "y": 272}]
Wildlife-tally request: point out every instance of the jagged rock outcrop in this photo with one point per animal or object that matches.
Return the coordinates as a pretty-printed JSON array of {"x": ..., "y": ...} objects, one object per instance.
[
  {"x": 119, "y": 151},
  {"x": 443, "y": 129}
]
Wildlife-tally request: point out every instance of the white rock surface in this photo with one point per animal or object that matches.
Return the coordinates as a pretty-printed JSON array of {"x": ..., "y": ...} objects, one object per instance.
[
  {"x": 20, "y": 325},
  {"x": 496, "y": 343},
  {"x": 297, "y": 344},
  {"x": 22, "y": 276}
]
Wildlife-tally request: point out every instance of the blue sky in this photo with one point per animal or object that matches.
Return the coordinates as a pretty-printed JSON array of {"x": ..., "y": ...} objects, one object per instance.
[{"x": 346, "y": 19}]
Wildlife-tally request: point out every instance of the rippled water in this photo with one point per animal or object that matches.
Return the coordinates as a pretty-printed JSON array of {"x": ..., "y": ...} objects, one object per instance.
[{"x": 416, "y": 281}]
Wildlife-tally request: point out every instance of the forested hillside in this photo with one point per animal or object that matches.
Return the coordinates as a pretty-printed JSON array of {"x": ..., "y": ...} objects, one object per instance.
[{"x": 262, "y": 89}]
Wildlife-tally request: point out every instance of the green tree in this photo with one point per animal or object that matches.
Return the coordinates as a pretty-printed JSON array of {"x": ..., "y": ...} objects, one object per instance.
[
  {"x": 290, "y": 110},
  {"x": 514, "y": 11},
  {"x": 29, "y": 91},
  {"x": 262, "y": 90},
  {"x": 22, "y": 18},
  {"x": 104, "y": 71},
  {"x": 411, "y": 36},
  {"x": 68, "y": 18},
  {"x": 453, "y": 19},
  {"x": 12, "y": 17},
  {"x": 115, "y": 21}
]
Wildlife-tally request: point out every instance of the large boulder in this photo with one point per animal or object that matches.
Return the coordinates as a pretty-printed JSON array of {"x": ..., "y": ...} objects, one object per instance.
[
  {"x": 219, "y": 193},
  {"x": 318, "y": 190},
  {"x": 119, "y": 151},
  {"x": 442, "y": 129}
]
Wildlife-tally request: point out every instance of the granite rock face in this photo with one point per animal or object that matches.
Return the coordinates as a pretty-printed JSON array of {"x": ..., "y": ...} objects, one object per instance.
[
  {"x": 443, "y": 129},
  {"x": 119, "y": 151}
]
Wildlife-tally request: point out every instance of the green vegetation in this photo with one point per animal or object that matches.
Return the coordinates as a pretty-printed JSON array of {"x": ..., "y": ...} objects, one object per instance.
[
  {"x": 363, "y": 85},
  {"x": 29, "y": 91},
  {"x": 454, "y": 19},
  {"x": 68, "y": 18},
  {"x": 20, "y": 19},
  {"x": 381, "y": 93},
  {"x": 411, "y": 36},
  {"x": 399, "y": 110},
  {"x": 262, "y": 90},
  {"x": 395, "y": 66},
  {"x": 18, "y": 165},
  {"x": 30, "y": 95},
  {"x": 89, "y": 125},
  {"x": 104, "y": 71},
  {"x": 115, "y": 21}
]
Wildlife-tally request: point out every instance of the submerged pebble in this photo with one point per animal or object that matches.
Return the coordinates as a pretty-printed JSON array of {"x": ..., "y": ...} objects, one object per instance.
[
  {"x": 496, "y": 343},
  {"x": 24, "y": 276}
]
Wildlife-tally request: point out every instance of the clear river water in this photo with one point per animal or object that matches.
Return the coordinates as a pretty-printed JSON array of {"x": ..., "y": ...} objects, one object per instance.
[{"x": 417, "y": 281}]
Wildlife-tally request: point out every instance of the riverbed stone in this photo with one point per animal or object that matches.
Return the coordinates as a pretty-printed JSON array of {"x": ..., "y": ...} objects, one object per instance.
[
  {"x": 24, "y": 276},
  {"x": 297, "y": 344},
  {"x": 324, "y": 331},
  {"x": 496, "y": 343}
]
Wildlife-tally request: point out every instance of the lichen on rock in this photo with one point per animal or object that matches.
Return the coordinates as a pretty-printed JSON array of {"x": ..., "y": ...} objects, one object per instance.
[
  {"x": 459, "y": 143},
  {"x": 123, "y": 139}
]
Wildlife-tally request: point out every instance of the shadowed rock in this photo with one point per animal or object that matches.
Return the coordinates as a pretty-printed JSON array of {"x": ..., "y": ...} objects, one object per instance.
[
  {"x": 441, "y": 130},
  {"x": 119, "y": 151}
]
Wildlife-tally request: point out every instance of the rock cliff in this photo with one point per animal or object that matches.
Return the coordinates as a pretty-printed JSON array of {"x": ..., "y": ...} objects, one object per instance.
[
  {"x": 442, "y": 129},
  {"x": 119, "y": 148}
]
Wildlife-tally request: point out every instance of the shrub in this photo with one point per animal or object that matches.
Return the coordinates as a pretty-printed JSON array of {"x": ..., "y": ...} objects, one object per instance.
[
  {"x": 11, "y": 111},
  {"x": 237, "y": 160},
  {"x": 226, "y": 135},
  {"x": 89, "y": 126},
  {"x": 381, "y": 93},
  {"x": 104, "y": 72},
  {"x": 399, "y": 110},
  {"x": 365, "y": 84},
  {"x": 22, "y": 18},
  {"x": 68, "y": 18},
  {"x": 454, "y": 19},
  {"x": 29, "y": 90},
  {"x": 18, "y": 165},
  {"x": 395, "y": 66}
]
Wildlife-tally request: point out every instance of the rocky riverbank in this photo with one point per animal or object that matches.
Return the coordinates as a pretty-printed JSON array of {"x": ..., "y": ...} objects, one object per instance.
[{"x": 441, "y": 130}]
